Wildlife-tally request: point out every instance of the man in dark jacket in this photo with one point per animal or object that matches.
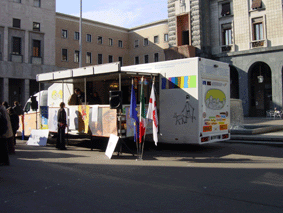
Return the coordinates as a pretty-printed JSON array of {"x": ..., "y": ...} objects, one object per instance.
[
  {"x": 62, "y": 124},
  {"x": 17, "y": 108}
]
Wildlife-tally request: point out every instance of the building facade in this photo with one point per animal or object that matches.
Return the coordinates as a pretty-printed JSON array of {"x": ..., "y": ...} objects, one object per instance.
[
  {"x": 105, "y": 43},
  {"x": 27, "y": 46},
  {"x": 247, "y": 34}
]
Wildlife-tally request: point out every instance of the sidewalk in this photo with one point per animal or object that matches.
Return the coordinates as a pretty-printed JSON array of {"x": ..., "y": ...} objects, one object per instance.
[{"x": 274, "y": 137}]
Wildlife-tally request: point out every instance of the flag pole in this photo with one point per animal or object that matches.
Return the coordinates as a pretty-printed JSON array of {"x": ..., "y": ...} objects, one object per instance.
[
  {"x": 136, "y": 126},
  {"x": 140, "y": 138}
]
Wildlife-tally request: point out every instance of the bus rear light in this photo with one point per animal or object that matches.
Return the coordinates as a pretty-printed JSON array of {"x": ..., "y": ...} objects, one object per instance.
[
  {"x": 225, "y": 136},
  {"x": 204, "y": 139}
]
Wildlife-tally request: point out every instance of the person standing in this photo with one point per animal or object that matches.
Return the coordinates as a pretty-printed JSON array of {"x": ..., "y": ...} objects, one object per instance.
[
  {"x": 80, "y": 96},
  {"x": 62, "y": 124},
  {"x": 15, "y": 122},
  {"x": 17, "y": 108},
  {"x": 5, "y": 133}
]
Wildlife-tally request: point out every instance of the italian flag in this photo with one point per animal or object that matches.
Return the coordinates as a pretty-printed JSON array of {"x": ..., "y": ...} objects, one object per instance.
[{"x": 142, "y": 113}]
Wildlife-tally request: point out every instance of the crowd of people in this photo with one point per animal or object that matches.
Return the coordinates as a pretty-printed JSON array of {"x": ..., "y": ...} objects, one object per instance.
[
  {"x": 78, "y": 98},
  {"x": 9, "y": 122}
]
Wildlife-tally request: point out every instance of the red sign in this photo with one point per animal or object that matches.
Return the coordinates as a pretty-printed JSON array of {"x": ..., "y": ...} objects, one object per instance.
[{"x": 207, "y": 128}]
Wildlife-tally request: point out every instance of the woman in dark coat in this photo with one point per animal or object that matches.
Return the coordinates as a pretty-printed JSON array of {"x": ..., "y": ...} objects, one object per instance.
[
  {"x": 62, "y": 124},
  {"x": 14, "y": 122}
]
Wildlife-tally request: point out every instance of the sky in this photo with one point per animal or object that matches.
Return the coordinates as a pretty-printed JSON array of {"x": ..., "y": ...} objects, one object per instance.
[{"x": 123, "y": 13}]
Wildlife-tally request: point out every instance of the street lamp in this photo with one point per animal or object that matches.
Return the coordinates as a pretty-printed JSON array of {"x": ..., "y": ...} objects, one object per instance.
[{"x": 260, "y": 77}]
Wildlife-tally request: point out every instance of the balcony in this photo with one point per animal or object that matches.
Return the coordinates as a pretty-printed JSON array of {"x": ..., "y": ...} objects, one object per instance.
[
  {"x": 184, "y": 51},
  {"x": 258, "y": 43},
  {"x": 226, "y": 48},
  {"x": 36, "y": 60},
  {"x": 17, "y": 58}
]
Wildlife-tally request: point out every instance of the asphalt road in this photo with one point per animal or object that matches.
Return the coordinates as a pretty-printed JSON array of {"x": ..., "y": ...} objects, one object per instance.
[{"x": 221, "y": 177}]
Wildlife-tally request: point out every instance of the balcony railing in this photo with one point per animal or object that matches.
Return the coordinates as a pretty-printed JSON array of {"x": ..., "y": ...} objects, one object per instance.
[
  {"x": 258, "y": 43},
  {"x": 226, "y": 48},
  {"x": 36, "y": 60},
  {"x": 17, "y": 58}
]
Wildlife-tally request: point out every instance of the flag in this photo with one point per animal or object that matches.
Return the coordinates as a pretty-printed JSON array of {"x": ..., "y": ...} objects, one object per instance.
[
  {"x": 142, "y": 113},
  {"x": 134, "y": 113},
  {"x": 152, "y": 114}
]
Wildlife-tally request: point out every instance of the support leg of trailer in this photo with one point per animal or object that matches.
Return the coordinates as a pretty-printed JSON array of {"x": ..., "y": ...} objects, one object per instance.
[{"x": 120, "y": 147}]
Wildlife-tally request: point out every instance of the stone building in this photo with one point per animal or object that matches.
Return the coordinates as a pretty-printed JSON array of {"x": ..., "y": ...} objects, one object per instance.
[
  {"x": 247, "y": 34},
  {"x": 27, "y": 46}
]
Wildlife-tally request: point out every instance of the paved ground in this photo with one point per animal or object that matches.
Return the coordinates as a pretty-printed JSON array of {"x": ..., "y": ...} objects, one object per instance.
[{"x": 220, "y": 177}]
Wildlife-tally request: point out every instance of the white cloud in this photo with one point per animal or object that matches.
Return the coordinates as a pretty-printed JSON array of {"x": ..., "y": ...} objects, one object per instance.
[{"x": 115, "y": 16}]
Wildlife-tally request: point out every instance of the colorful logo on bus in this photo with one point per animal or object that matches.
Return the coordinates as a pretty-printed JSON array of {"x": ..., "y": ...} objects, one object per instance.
[{"x": 215, "y": 99}]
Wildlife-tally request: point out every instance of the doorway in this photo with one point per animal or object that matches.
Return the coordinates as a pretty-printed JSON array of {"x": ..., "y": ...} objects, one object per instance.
[{"x": 260, "y": 89}]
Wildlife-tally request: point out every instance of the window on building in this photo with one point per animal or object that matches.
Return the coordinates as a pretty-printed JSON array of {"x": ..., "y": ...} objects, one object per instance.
[
  {"x": 146, "y": 59},
  {"x": 64, "y": 54},
  {"x": 36, "y": 26},
  {"x": 64, "y": 33},
  {"x": 99, "y": 59},
  {"x": 145, "y": 42},
  {"x": 226, "y": 34},
  {"x": 256, "y": 4},
  {"x": 166, "y": 38},
  {"x": 36, "y": 48},
  {"x": 77, "y": 36},
  {"x": 110, "y": 40},
  {"x": 120, "y": 59},
  {"x": 185, "y": 37},
  {"x": 88, "y": 57},
  {"x": 77, "y": 56},
  {"x": 120, "y": 43},
  {"x": 137, "y": 60},
  {"x": 16, "y": 23},
  {"x": 99, "y": 40},
  {"x": 156, "y": 57},
  {"x": 156, "y": 39},
  {"x": 110, "y": 58},
  {"x": 257, "y": 29},
  {"x": 36, "y": 3},
  {"x": 18, "y": 1},
  {"x": 17, "y": 46},
  {"x": 226, "y": 9},
  {"x": 136, "y": 43},
  {"x": 88, "y": 37}
]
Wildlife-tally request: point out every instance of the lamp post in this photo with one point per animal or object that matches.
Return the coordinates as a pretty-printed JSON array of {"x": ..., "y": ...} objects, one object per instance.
[{"x": 80, "y": 34}]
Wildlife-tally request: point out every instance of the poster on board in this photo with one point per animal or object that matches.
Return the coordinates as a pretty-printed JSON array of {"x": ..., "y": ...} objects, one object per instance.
[
  {"x": 38, "y": 137},
  {"x": 112, "y": 143}
]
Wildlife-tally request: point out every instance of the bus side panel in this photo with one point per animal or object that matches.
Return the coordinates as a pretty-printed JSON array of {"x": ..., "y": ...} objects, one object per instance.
[{"x": 179, "y": 104}]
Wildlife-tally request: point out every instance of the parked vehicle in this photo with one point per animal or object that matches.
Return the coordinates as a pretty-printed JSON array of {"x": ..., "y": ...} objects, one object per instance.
[{"x": 193, "y": 99}]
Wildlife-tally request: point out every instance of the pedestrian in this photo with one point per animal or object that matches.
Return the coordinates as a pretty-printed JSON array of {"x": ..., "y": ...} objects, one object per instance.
[
  {"x": 17, "y": 108},
  {"x": 5, "y": 132},
  {"x": 5, "y": 104},
  {"x": 14, "y": 122},
  {"x": 62, "y": 124}
]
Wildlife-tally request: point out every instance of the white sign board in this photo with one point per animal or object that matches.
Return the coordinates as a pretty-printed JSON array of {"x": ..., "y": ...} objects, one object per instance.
[
  {"x": 38, "y": 137},
  {"x": 112, "y": 143}
]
